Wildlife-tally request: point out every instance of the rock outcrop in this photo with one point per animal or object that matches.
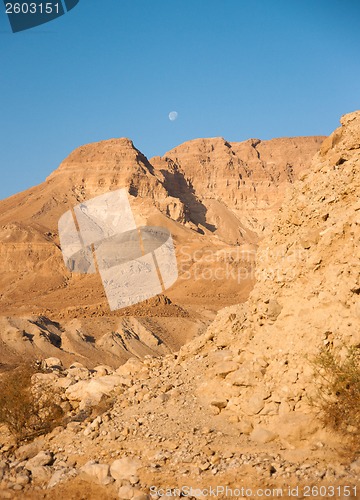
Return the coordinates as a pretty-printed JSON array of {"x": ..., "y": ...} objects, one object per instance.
[{"x": 246, "y": 179}]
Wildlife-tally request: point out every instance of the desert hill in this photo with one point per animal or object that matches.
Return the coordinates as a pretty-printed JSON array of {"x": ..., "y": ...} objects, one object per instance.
[{"x": 214, "y": 197}]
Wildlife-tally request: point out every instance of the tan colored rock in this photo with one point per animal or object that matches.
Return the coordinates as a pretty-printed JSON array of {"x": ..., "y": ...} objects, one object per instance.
[
  {"x": 131, "y": 367},
  {"x": 124, "y": 468},
  {"x": 245, "y": 376},
  {"x": 254, "y": 405},
  {"x": 273, "y": 309},
  {"x": 224, "y": 368},
  {"x": 262, "y": 436},
  {"x": 40, "y": 474},
  {"x": 296, "y": 427},
  {"x": 102, "y": 370},
  {"x": 41, "y": 459},
  {"x": 53, "y": 363},
  {"x": 245, "y": 426},
  {"x": 30, "y": 450},
  {"x": 91, "y": 391},
  {"x": 97, "y": 472}
]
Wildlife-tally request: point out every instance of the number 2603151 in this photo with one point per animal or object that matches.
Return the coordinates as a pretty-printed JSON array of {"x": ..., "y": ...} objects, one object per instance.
[{"x": 32, "y": 8}]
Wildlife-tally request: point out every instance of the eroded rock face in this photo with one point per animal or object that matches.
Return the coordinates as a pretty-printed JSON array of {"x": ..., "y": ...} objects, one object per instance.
[
  {"x": 248, "y": 178},
  {"x": 306, "y": 295}
]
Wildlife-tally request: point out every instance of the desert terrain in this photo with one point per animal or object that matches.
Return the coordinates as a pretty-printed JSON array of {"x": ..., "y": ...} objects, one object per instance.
[
  {"x": 211, "y": 384},
  {"x": 216, "y": 198}
]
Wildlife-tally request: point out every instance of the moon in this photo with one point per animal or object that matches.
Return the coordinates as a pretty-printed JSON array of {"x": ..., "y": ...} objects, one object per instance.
[{"x": 173, "y": 115}]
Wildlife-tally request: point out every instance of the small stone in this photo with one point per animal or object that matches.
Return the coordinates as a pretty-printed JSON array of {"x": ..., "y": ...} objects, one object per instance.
[
  {"x": 224, "y": 368},
  {"x": 30, "y": 450},
  {"x": 254, "y": 405},
  {"x": 102, "y": 370},
  {"x": 214, "y": 410},
  {"x": 270, "y": 408},
  {"x": 219, "y": 403},
  {"x": 126, "y": 492},
  {"x": 245, "y": 427},
  {"x": 57, "y": 477},
  {"x": 244, "y": 376},
  {"x": 99, "y": 472},
  {"x": 53, "y": 363},
  {"x": 163, "y": 398},
  {"x": 124, "y": 468},
  {"x": 95, "y": 424},
  {"x": 261, "y": 435},
  {"x": 273, "y": 309},
  {"x": 355, "y": 466},
  {"x": 41, "y": 459},
  {"x": 40, "y": 474},
  {"x": 134, "y": 480},
  {"x": 18, "y": 487},
  {"x": 22, "y": 479}
]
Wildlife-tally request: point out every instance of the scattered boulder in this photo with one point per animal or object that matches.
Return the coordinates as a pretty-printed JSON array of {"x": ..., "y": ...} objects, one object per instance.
[
  {"x": 124, "y": 468},
  {"x": 355, "y": 467},
  {"x": 273, "y": 309},
  {"x": 90, "y": 392},
  {"x": 30, "y": 450},
  {"x": 53, "y": 363},
  {"x": 245, "y": 426},
  {"x": 296, "y": 426},
  {"x": 262, "y": 436},
  {"x": 41, "y": 459},
  {"x": 40, "y": 474},
  {"x": 97, "y": 472}
]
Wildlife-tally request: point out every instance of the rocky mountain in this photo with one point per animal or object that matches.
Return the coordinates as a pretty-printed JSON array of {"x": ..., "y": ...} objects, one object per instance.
[
  {"x": 213, "y": 196},
  {"x": 306, "y": 293},
  {"x": 246, "y": 179},
  {"x": 232, "y": 407}
]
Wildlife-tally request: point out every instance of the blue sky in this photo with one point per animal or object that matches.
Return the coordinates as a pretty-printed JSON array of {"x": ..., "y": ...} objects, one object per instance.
[{"x": 115, "y": 68}]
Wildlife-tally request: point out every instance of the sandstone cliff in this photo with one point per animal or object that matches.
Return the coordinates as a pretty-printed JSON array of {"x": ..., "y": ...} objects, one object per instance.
[{"x": 306, "y": 296}]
